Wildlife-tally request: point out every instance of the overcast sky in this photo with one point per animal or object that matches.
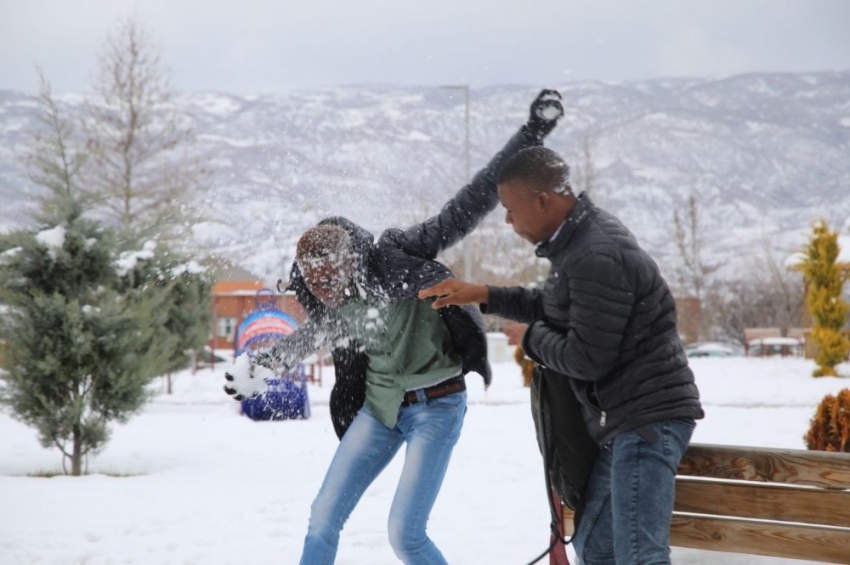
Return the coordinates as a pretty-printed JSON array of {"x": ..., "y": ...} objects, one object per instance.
[{"x": 259, "y": 46}]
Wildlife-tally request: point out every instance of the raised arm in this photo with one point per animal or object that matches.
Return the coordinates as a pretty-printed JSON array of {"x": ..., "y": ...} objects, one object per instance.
[
  {"x": 287, "y": 352},
  {"x": 460, "y": 215}
]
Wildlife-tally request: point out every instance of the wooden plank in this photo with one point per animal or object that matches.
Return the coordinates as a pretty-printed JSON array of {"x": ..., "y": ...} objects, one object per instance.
[
  {"x": 789, "y": 466},
  {"x": 764, "y": 502},
  {"x": 815, "y": 543},
  {"x": 821, "y": 516},
  {"x": 795, "y": 541}
]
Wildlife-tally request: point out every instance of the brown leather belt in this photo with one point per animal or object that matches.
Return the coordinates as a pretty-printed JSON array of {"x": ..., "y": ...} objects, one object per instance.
[{"x": 450, "y": 386}]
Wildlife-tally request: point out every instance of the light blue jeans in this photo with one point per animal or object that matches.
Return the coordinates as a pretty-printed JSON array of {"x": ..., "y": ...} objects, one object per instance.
[
  {"x": 629, "y": 497},
  {"x": 431, "y": 430}
]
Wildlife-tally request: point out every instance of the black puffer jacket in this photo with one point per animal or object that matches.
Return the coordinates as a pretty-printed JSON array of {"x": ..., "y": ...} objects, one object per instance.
[
  {"x": 395, "y": 268},
  {"x": 607, "y": 320}
]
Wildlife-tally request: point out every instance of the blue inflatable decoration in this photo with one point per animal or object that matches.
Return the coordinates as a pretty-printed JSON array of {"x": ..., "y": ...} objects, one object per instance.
[{"x": 286, "y": 397}]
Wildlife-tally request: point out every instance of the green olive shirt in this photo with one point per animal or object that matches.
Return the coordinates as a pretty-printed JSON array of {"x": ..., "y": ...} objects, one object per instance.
[{"x": 408, "y": 347}]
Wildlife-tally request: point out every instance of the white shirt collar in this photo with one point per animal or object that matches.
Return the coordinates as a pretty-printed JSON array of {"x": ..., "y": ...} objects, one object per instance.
[{"x": 557, "y": 231}]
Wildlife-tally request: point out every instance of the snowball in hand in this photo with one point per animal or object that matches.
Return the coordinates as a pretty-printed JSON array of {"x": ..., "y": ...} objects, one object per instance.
[
  {"x": 550, "y": 113},
  {"x": 243, "y": 382}
]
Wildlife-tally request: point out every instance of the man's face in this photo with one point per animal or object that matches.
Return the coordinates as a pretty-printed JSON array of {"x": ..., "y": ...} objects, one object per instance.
[
  {"x": 524, "y": 210},
  {"x": 329, "y": 279}
]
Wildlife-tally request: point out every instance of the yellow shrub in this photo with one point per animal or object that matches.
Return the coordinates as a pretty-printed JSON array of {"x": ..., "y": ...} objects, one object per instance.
[{"x": 823, "y": 298}]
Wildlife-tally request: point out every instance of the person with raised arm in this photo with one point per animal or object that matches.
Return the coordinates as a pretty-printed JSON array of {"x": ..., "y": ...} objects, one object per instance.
[
  {"x": 602, "y": 329},
  {"x": 400, "y": 365}
]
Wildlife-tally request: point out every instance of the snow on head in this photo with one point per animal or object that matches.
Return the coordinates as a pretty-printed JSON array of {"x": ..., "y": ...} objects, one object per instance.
[
  {"x": 325, "y": 245},
  {"x": 52, "y": 239}
]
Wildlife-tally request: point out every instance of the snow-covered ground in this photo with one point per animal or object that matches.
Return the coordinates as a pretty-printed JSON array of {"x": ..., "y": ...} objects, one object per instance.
[{"x": 198, "y": 484}]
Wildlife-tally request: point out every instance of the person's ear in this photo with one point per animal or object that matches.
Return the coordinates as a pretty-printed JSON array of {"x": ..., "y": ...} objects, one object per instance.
[{"x": 541, "y": 200}]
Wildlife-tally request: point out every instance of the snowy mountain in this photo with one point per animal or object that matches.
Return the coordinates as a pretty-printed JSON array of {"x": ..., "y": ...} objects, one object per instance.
[{"x": 766, "y": 155}]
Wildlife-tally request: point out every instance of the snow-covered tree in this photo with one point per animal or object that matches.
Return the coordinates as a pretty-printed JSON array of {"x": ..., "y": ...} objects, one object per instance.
[
  {"x": 75, "y": 356},
  {"x": 182, "y": 313}
]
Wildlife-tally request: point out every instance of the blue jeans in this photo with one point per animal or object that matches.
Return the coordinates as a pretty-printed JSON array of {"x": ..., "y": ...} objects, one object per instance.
[
  {"x": 431, "y": 429},
  {"x": 630, "y": 497}
]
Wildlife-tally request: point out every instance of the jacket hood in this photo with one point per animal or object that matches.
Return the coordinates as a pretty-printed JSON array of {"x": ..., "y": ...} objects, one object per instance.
[{"x": 361, "y": 238}]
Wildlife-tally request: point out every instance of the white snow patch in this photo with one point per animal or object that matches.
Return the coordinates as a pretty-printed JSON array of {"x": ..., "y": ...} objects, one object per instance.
[
  {"x": 192, "y": 267},
  {"x": 53, "y": 239},
  {"x": 127, "y": 261},
  {"x": 845, "y": 122},
  {"x": 246, "y": 383},
  {"x": 9, "y": 253},
  {"x": 217, "y": 105},
  {"x": 194, "y": 466}
]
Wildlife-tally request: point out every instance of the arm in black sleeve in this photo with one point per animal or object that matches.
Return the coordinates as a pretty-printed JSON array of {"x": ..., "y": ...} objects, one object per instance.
[
  {"x": 287, "y": 352},
  {"x": 460, "y": 215},
  {"x": 589, "y": 348},
  {"x": 514, "y": 303},
  {"x": 320, "y": 330}
]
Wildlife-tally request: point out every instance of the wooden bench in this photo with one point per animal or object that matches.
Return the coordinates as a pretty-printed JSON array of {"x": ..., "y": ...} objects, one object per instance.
[{"x": 776, "y": 502}]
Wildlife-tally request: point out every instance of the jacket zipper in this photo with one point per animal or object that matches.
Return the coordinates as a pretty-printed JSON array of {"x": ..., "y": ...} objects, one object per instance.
[{"x": 603, "y": 418}]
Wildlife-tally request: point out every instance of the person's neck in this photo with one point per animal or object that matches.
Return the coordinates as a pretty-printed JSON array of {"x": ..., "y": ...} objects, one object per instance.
[{"x": 560, "y": 212}]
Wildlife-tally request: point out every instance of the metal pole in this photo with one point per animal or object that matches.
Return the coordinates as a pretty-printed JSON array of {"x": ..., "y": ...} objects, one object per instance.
[{"x": 467, "y": 248}]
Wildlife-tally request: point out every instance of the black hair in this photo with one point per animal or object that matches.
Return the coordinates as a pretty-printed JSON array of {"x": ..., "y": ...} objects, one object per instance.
[
  {"x": 323, "y": 242},
  {"x": 541, "y": 168}
]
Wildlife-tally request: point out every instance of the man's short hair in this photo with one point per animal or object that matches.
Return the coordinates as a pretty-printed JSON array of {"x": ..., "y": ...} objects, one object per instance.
[
  {"x": 540, "y": 168},
  {"x": 324, "y": 243}
]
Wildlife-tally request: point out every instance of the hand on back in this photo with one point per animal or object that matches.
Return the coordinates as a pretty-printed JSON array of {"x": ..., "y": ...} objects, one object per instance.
[{"x": 455, "y": 292}]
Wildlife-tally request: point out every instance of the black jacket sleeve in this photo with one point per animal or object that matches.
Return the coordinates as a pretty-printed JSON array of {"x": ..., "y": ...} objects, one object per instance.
[
  {"x": 514, "y": 303},
  {"x": 588, "y": 348},
  {"x": 461, "y": 214},
  {"x": 287, "y": 352}
]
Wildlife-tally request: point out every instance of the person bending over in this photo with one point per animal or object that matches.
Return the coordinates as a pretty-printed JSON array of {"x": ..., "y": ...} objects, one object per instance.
[{"x": 400, "y": 364}]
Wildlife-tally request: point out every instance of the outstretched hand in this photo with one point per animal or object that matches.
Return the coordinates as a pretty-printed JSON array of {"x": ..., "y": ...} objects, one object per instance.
[{"x": 455, "y": 292}]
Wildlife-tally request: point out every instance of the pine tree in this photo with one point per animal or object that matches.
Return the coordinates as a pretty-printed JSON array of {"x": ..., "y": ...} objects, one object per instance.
[
  {"x": 823, "y": 298},
  {"x": 75, "y": 357},
  {"x": 182, "y": 291}
]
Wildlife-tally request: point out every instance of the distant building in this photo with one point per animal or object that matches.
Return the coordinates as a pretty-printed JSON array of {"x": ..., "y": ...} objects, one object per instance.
[{"x": 233, "y": 300}]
